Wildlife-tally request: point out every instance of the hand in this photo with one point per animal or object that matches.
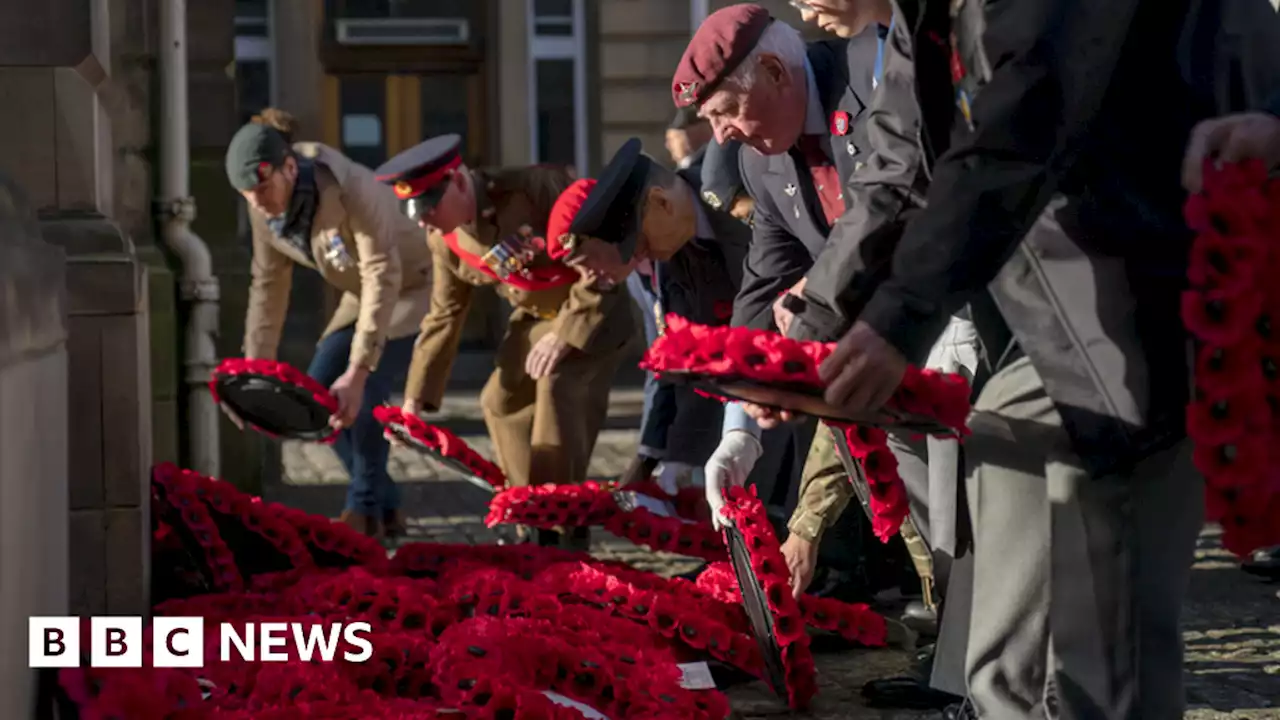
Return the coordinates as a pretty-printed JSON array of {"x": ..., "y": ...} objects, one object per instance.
[
  {"x": 802, "y": 559},
  {"x": 232, "y": 416},
  {"x": 545, "y": 355},
  {"x": 640, "y": 469},
  {"x": 782, "y": 317},
  {"x": 863, "y": 372},
  {"x": 349, "y": 392},
  {"x": 408, "y": 407},
  {"x": 1229, "y": 139},
  {"x": 767, "y": 417},
  {"x": 728, "y": 467}
]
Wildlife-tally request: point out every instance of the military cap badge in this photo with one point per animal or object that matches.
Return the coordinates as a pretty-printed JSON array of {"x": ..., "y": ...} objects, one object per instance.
[
  {"x": 403, "y": 189},
  {"x": 264, "y": 171},
  {"x": 688, "y": 92}
]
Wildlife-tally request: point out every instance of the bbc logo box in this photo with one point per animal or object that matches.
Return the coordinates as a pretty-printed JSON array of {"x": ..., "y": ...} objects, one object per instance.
[{"x": 58, "y": 642}]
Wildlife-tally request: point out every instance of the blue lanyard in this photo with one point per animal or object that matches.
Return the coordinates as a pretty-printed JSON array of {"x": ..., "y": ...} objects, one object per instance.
[{"x": 881, "y": 33}]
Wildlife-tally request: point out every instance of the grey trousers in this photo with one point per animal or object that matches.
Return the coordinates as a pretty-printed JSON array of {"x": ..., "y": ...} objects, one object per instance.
[{"x": 1078, "y": 580}]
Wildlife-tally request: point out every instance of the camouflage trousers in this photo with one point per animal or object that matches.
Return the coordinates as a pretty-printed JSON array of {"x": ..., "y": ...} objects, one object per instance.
[{"x": 832, "y": 478}]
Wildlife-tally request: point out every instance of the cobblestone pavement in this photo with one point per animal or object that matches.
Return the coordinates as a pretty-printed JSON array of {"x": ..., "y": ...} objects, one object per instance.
[{"x": 1232, "y": 622}]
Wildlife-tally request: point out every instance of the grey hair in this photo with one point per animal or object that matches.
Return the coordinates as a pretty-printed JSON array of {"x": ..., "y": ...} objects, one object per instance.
[{"x": 779, "y": 39}]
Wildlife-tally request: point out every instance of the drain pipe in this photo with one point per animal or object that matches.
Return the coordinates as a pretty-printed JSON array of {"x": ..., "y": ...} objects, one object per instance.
[{"x": 198, "y": 288}]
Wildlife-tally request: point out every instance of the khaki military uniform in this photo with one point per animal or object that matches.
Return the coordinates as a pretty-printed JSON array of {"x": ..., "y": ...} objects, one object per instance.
[
  {"x": 545, "y": 430},
  {"x": 361, "y": 244}
]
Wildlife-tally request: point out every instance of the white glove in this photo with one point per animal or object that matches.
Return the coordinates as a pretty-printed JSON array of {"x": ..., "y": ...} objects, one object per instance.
[
  {"x": 728, "y": 467},
  {"x": 673, "y": 475}
]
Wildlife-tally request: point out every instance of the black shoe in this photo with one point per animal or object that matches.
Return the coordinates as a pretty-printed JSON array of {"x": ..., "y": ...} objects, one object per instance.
[
  {"x": 828, "y": 583},
  {"x": 1264, "y": 563},
  {"x": 906, "y": 692},
  {"x": 959, "y": 711},
  {"x": 921, "y": 618}
]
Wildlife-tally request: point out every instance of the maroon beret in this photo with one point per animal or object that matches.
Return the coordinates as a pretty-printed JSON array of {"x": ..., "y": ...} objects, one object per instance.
[{"x": 719, "y": 46}]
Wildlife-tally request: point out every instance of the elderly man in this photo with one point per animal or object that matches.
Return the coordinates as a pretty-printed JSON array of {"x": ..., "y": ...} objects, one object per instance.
[
  {"x": 1085, "y": 512},
  {"x": 639, "y": 213},
  {"x": 799, "y": 110}
]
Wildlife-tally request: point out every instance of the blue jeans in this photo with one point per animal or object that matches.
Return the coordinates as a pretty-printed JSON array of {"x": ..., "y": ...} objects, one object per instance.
[{"x": 362, "y": 447}]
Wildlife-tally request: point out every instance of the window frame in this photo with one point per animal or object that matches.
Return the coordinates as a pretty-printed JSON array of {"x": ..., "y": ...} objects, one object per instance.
[
  {"x": 255, "y": 48},
  {"x": 571, "y": 47}
]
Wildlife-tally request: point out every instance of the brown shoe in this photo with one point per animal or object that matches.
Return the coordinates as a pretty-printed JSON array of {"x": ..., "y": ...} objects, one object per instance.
[
  {"x": 363, "y": 524},
  {"x": 393, "y": 524}
]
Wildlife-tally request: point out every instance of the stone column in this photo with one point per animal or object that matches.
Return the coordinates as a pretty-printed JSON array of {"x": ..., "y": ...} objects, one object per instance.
[
  {"x": 59, "y": 142},
  {"x": 33, "y": 441}
]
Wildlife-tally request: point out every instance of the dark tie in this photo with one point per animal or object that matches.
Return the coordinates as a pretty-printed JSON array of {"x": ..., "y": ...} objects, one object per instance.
[{"x": 826, "y": 178}]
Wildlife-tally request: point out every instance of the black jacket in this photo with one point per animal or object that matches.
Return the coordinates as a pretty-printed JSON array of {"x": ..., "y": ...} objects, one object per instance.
[
  {"x": 1061, "y": 198},
  {"x": 790, "y": 228},
  {"x": 699, "y": 283}
]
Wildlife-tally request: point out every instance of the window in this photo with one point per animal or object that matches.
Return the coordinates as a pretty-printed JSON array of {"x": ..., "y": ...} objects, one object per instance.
[
  {"x": 255, "y": 85},
  {"x": 557, "y": 82}
]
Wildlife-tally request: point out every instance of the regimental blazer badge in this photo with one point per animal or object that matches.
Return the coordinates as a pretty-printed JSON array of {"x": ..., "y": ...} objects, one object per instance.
[{"x": 840, "y": 123}]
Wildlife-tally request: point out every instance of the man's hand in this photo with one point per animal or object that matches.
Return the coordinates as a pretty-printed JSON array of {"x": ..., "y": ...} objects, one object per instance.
[
  {"x": 728, "y": 467},
  {"x": 674, "y": 476},
  {"x": 1231, "y": 138},
  {"x": 409, "y": 407},
  {"x": 863, "y": 372},
  {"x": 640, "y": 469},
  {"x": 802, "y": 559},
  {"x": 545, "y": 355},
  {"x": 782, "y": 317},
  {"x": 348, "y": 389},
  {"x": 767, "y": 417}
]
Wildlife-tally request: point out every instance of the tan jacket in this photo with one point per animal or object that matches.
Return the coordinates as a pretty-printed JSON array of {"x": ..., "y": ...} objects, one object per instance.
[
  {"x": 505, "y": 201},
  {"x": 386, "y": 288}
]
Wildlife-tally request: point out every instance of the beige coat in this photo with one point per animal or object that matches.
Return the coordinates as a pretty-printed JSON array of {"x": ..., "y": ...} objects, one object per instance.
[{"x": 387, "y": 287}]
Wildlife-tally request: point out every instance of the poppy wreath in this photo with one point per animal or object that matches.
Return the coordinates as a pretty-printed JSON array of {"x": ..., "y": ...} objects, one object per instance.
[
  {"x": 592, "y": 504},
  {"x": 283, "y": 372},
  {"x": 748, "y": 515},
  {"x": 443, "y": 443},
  {"x": 184, "y": 520},
  {"x": 767, "y": 357},
  {"x": 1231, "y": 311},
  {"x": 690, "y": 503}
]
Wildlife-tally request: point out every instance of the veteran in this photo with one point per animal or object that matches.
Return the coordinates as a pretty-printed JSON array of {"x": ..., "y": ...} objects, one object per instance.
[
  {"x": 640, "y": 213},
  {"x": 800, "y": 113},
  {"x": 311, "y": 206},
  {"x": 548, "y": 397},
  {"x": 1085, "y": 512}
]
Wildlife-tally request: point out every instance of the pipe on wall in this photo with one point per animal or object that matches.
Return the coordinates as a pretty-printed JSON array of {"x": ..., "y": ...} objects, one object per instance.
[{"x": 198, "y": 287}]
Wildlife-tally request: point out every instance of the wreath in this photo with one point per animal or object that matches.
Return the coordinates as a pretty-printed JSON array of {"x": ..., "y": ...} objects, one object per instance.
[
  {"x": 595, "y": 504},
  {"x": 1231, "y": 311},
  {"x": 282, "y": 372},
  {"x": 443, "y": 443},
  {"x": 739, "y": 353}
]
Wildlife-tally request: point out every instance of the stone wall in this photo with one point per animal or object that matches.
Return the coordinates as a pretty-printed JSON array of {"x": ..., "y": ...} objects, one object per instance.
[{"x": 33, "y": 441}]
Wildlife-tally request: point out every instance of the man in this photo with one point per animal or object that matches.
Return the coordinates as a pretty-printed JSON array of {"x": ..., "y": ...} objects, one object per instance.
[
  {"x": 312, "y": 207},
  {"x": 687, "y": 138},
  {"x": 1085, "y": 513},
  {"x": 800, "y": 110},
  {"x": 548, "y": 397},
  {"x": 641, "y": 214}
]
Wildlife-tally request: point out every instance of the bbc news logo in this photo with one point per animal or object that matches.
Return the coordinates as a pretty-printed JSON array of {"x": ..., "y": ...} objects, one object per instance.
[{"x": 56, "y": 642}]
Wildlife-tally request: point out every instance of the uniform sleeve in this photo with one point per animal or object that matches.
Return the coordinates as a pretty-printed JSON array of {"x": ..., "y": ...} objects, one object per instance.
[
  {"x": 585, "y": 311},
  {"x": 860, "y": 247},
  {"x": 372, "y": 223},
  {"x": 1050, "y": 62},
  {"x": 271, "y": 279},
  {"x": 776, "y": 260},
  {"x": 440, "y": 332},
  {"x": 824, "y": 490}
]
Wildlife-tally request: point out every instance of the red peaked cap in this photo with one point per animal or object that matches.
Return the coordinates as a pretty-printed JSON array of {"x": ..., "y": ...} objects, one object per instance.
[
  {"x": 719, "y": 46},
  {"x": 563, "y": 213}
]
